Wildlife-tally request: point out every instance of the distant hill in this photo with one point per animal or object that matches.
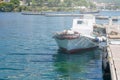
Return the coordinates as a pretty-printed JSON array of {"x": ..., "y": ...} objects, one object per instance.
[{"x": 107, "y": 1}]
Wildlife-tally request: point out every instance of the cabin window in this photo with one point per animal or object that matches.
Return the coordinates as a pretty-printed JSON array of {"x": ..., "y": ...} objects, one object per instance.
[{"x": 79, "y": 22}]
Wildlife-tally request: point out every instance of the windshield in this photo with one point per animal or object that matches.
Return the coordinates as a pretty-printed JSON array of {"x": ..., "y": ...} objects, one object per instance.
[{"x": 79, "y": 22}]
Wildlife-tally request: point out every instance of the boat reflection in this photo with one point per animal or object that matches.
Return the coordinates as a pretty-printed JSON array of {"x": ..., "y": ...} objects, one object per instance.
[{"x": 81, "y": 66}]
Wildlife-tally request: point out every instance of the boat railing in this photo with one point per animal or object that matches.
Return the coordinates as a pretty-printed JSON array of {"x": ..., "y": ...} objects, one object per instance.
[{"x": 65, "y": 35}]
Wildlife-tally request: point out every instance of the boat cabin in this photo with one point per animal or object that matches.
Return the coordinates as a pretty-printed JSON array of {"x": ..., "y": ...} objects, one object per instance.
[{"x": 84, "y": 25}]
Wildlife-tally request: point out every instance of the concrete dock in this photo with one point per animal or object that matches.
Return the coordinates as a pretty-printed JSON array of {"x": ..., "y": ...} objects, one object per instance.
[
  {"x": 72, "y": 15},
  {"x": 113, "y": 49},
  {"x": 114, "y": 61}
]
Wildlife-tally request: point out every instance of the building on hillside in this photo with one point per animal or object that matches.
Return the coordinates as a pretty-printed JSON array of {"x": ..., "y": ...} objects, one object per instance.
[
  {"x": 61, "y": 0},
  {"x": 23, "y": 2},
  {"x": 100, "y": 5},
  {"x": 106, "y": 6},
  {"x": 6, "y": 0}
]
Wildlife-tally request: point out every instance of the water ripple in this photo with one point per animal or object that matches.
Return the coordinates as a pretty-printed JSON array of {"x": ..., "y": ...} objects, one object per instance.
[
  {"x": 30, "y": 54},
  {"x": 42, "y": 61},
  {"x": 10, "y": 69},
  {"x": 3, "y": 79}
]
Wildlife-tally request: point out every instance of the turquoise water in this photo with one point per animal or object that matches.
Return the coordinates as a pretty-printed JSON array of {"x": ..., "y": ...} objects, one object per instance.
[{"x": 28, "y": 51}]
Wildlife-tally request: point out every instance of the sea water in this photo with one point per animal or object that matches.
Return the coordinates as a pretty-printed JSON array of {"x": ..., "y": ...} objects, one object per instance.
[{"x": 28, "y": 51}]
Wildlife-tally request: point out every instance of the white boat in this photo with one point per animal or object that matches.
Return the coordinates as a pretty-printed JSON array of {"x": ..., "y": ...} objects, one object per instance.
[{"x": 81, "y": 36}]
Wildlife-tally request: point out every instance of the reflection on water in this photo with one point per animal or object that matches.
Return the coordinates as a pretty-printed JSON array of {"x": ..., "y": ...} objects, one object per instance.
[{"x": 80, "y": 66}]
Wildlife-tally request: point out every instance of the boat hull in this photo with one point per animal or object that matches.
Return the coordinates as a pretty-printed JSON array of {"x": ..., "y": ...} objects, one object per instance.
[{"x": 76, "y": 45}]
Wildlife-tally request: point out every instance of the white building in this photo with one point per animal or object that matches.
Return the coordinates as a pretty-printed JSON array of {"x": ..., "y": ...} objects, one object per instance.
[
  {"x": 6, "y": 0},
  {"x": 61, "y": 0},
  {"x": 22, "y": 2}
]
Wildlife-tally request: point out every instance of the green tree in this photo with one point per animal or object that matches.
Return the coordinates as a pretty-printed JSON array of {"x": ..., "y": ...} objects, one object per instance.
[
  {"x": 6, "y": 7},
  {"x": 33, "y": 2},
  {"x": 15, "y": 2}
]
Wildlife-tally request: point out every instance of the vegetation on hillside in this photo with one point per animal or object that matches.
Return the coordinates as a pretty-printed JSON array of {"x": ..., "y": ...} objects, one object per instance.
[
  {"x": 9, "y": 6},
  {"x": 6, "y": 7},
  {"x": 58, "y": 5},
  {"x": 54, "y": 5}
]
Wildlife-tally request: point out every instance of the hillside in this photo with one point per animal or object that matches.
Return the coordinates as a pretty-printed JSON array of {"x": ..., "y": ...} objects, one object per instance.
[{"x": 107, "y": 1}]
